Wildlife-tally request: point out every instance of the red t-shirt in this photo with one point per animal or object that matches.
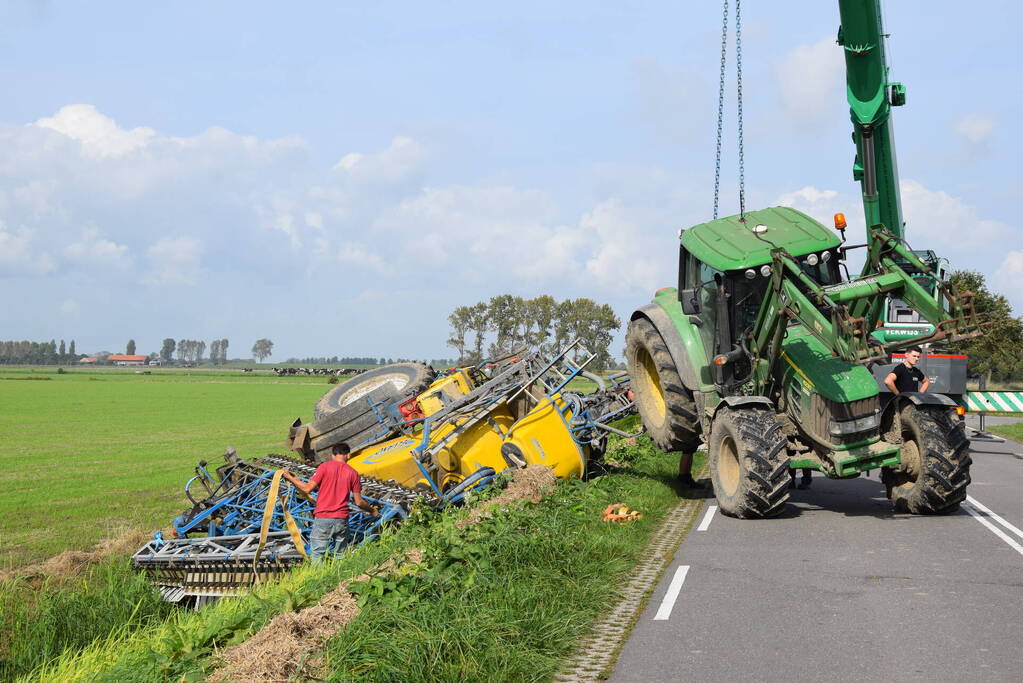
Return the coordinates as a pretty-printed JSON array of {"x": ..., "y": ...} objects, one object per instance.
[{"x": 336, "y": 481}]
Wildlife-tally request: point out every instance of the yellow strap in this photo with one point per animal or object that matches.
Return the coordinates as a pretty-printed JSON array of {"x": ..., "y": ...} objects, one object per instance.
[
  {"x": 268, "y": 513},
  {"x": 296, "y": 535}
]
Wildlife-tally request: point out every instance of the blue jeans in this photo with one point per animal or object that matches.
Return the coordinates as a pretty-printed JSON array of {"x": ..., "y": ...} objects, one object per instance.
[{"x": 328, "y": 535}]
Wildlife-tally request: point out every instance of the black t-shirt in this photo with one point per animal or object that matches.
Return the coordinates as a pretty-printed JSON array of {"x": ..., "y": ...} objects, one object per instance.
[{"x": 907, "y": 378}]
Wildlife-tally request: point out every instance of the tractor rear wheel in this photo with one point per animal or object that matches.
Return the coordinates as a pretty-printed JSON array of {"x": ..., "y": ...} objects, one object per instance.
[
  {"x": 665, "y": 405},
  {"x": 935, "y": 462},
  {"x": 749, "y": 463}
]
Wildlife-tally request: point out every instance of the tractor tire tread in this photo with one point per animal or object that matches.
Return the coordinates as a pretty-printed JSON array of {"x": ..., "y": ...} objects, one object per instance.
[{"x": 763, "y": 487}]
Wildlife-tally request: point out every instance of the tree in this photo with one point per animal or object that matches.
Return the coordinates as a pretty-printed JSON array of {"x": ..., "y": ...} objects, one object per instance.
[
  {"x": 995, "y": 353},
  {"x": 460, "y": 320},
  {"x": 223, "y": 350},
  {"x": 215, "y": 351},
  {"x": 130, "y": 348},
  {"x": 71, "y": 351},
  {"x": 478, "y": 323},
  {"x": 200, "y": 348},
  {"x": 167, "y": 350},
  {"x": 504, "y": 313},
  {"x": 62, "y": 353},
  {"x": 263, "y": 348}
]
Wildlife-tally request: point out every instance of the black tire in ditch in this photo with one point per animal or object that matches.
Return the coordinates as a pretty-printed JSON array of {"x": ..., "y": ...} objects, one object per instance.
[
  {"x": 400, "y": 379},
  {"x": 345, "y": 414},
  {"x": 749, "y": 463},
  {"x": 935, "y": 462},
  {"x": 665, "y": 405}
]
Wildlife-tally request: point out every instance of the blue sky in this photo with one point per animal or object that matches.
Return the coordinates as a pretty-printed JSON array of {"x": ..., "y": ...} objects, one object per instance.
[{"x": 338, "y": 177}]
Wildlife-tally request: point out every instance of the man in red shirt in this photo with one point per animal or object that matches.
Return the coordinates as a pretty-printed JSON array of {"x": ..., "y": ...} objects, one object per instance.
[{"x": 337, "y": 480}]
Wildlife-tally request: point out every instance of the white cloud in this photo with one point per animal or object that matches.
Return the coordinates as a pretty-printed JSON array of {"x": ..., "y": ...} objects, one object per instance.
[
  {"x": 824, "y": 204},
  {"x": 19, "y": 255},
  {"x": 356, "y": 254},
  {"x": 810, "y": 81},
  {"x": 402, "y": 159},
  {"x": 93, "y": 250},
  {"x": 937, "y": 220},
  {"x": 99, "y": 135},
  {"x": 1008, "y": 279},
  {"x": 934, "y": 219},
  {"x": 174, "y": 261},
  {"x": 69, "y": 307},
  {"x": 975, "y": 129}
]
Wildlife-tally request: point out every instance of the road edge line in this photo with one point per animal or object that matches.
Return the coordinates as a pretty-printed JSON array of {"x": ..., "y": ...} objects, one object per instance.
[{"x": 987, "y": 511}]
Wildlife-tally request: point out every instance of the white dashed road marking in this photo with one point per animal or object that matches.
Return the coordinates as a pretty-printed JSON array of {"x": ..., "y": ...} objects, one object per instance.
[
  {"x": 664, "y": 611},
  {"x": 705, "y": 522}
]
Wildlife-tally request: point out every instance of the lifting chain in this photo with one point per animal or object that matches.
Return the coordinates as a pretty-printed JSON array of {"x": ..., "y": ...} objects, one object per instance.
[{"x": 721, "y": 105}]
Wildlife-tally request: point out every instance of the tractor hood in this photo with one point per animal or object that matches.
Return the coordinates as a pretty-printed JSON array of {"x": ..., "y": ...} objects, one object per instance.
[{"x": 827, "y": 375}]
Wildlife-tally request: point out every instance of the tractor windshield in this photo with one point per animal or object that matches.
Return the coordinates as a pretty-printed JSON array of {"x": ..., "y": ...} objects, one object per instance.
[{"x": 823, "y": 270}]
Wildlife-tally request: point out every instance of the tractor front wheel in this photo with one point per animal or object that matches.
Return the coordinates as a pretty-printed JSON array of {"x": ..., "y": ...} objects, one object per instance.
[
  {"x": 935, "y": 462},
  {"x": 749, "y": 463},
  {"x": 666, "y": 406}
]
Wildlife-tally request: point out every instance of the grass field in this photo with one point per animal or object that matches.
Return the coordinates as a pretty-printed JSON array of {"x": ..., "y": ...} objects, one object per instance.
[
  {"x": 1011, "y": 431},
  {"x": 88, "y": 453}
]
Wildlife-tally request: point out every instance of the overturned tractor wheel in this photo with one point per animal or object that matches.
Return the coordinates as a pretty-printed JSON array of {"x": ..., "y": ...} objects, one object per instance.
[
  {"x": 346, "y": 413},
  {"x": 936, "y": 462},
  {"x": 749, "y": 463},
  {"x": 666, "y": 406}
]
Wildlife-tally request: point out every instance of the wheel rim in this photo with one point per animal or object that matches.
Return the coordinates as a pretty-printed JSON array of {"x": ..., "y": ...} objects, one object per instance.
[
  {"x": 398, "y": 380},
  {"x": 728, "y": 466},
  {"x": 650, "y": 383}
]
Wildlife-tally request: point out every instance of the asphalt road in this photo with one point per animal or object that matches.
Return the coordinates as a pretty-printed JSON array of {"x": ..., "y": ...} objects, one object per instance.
[{"x": 839, "y": 588}]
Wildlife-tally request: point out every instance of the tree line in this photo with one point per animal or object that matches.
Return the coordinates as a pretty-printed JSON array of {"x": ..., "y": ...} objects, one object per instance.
[
  {"x": 489, "y": 329},
  {"x": 365, "y": 360},
  {"x": 192, "y": 350},
  {"x": 37, "y": 353}
]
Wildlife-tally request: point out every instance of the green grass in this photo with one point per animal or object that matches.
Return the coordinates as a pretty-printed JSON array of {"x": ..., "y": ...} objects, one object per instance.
[
  {"x": 508, "y": 599},
  {"x": 41, "y": 623},
  {"x": 1011, "y": 431},
  {"x": 93, "y": 452}
]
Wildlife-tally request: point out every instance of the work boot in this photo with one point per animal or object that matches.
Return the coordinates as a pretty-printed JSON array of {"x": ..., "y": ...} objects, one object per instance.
[
  {"x": 804, "y": 482},
  {"x": 688, "y": 481}
]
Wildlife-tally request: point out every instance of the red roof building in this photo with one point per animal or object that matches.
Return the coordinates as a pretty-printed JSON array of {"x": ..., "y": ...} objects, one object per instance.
[{"x": 124, "y": 359}]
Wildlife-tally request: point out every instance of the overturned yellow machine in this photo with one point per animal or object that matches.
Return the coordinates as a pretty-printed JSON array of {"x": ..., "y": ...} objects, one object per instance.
[
  {"x": 417, "y": 437},
  {"x": 436, "y": 434}
]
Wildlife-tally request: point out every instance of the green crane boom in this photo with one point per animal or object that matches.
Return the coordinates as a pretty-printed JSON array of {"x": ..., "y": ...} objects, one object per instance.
[{"x": 871, "y": 97}]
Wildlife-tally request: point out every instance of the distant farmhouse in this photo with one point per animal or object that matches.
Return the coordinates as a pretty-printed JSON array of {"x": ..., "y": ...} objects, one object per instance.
[{"x": 124, "y": 359}]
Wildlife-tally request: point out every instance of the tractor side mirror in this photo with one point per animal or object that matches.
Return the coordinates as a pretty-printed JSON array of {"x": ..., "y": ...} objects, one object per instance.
[{"x": 690, "y": 304}]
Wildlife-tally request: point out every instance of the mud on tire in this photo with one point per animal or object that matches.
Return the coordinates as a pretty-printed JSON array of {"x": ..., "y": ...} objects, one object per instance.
[
  {"x": 665, "y": 405},
  {"x": 749, "y": 463},
  {"x": 935, "y": 453}
]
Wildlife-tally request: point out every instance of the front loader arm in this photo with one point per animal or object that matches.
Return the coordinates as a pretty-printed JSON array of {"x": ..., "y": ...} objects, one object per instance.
[{"x": 841, "y": 316}]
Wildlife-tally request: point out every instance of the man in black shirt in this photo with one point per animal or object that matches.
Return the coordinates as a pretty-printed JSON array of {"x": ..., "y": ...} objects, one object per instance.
[{"x": 906, "y": 376}]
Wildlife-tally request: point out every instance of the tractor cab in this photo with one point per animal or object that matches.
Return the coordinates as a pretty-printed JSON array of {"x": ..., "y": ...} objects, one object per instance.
[{"x": 725, "y": 268}]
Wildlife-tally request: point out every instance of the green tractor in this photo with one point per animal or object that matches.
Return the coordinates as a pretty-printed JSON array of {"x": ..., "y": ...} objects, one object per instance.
[{"x": 765, "y": 346}]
